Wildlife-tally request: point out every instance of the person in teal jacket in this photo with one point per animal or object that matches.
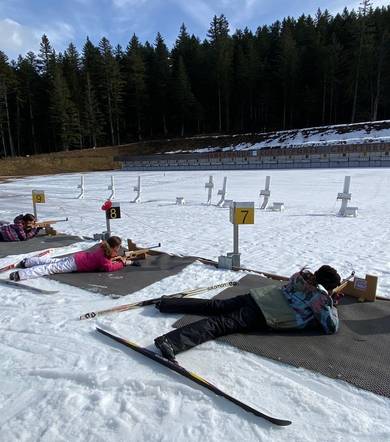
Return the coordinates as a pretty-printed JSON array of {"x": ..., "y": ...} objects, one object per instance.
[{"x": 304, "y": 302}]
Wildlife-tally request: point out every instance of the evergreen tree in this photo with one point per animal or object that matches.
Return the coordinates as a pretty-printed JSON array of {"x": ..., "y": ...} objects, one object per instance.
[
  {"x": 28, "y": 78},
  {"x": 183, "y": 98},
  {"x": 222, "y": 65},
  {"x": 112, "y": 88},
  {"x": 160, "y": 77},
  {"x": 6, "y": 83},
  {"x": 136, "y": 83},
  {"x": 64, "y": 114},
  {"x": 287, "y": 70},
  {"x": 92, "y": 117},
  {"x": 366, "y": 5}
]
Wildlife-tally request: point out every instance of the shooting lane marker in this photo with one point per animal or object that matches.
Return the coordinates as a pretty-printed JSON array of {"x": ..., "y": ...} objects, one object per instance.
[
  {"x": 38, "y": 197},
  {"x": 112, "y": 188},
  {"x": 137, "y": 189},
  {"x": 210, "y": 187},
  {"x": 266, "y": 193},
  {"x": 222, "y": 192},
  {"x": 345, "y": 196},
  {"x": 240, "y": 213},
  {"x": 81, "y": 187}
]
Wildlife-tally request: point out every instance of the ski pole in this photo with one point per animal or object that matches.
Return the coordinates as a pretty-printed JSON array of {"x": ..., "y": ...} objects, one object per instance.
[{"x": 134, "y": 305}]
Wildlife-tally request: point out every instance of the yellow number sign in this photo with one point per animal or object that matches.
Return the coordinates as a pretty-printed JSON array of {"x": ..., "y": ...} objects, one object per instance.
[
  {"x": 38, "y": 196},
  {"x": 242, "y": 213},
  {"x": 244, "y": 216}
]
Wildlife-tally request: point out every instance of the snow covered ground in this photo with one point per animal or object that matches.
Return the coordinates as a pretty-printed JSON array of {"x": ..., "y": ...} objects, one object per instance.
[
  {"x": 61, "y": 381},
  {"x": 321, "y": 136}
]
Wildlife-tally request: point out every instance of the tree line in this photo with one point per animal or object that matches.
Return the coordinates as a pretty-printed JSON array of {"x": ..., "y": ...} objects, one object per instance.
[{"x": 294, "y": 73}]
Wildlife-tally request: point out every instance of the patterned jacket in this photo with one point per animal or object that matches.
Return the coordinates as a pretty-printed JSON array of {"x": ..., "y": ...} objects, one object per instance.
[
  {"x": 296, "y": 305},
  {"x": 311, "y": 304},
  {"x": 16, "y": 232}
]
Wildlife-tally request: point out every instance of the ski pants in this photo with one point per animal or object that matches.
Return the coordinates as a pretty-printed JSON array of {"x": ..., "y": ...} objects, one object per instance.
[
  {"x": 235, "y": 315},
  {"x": 44, "y": 265}
]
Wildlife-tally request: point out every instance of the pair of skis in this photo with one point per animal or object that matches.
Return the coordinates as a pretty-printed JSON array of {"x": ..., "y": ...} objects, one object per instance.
[
  {"x": 192, "y": 376},
  {"x": 185, "y": 293}
]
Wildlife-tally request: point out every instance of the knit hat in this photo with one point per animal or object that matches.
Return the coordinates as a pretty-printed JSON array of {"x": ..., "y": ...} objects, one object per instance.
[{"x": 328, "y": 277}]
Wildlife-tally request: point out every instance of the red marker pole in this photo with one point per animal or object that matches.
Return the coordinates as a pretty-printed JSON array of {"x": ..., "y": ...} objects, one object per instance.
[{"x": 106, "y": 207}]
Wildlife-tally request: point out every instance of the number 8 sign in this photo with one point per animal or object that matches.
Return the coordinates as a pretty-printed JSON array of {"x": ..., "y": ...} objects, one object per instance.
[{"x": 114, "y": 212}]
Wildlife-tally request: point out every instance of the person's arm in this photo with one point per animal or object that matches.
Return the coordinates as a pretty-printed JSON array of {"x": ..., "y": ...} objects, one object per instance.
[
  {"x": 325, "y": 312},
  {"x": 32, "y": 232},
  {"x": 112, "y": 266},
  {"x": 19, "y": 230}
]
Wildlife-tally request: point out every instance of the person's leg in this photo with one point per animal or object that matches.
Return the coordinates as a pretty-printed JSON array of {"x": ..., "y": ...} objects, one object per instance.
[
  {"x": 60, "y": 265},
  {"x": 204, "y": 307},
  {"x": 247, "y": 318},
  {"x": 38, "y": 261}
]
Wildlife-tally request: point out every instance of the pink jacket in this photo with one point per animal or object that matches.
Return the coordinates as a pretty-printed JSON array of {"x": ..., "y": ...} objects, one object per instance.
[{"x": 96, "y": 261}]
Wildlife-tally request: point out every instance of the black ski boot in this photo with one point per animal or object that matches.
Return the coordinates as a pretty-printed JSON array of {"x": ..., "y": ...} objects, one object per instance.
[
  {"x": 14, "y": 276},
  {"x": 21, "y": 264},
  {"x": 165, "y": 348}
]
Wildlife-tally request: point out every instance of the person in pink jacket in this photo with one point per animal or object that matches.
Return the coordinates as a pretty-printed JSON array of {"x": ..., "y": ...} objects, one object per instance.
[{"x": 105, "y": 258}]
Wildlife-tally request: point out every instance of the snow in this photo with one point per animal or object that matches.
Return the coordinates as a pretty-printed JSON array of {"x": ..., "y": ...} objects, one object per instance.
[
  {"x": 321, "y": 136},
  {"x": 61, "y": 381}
]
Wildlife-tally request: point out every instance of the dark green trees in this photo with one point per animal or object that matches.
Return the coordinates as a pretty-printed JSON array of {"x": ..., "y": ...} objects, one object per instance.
[{"x": 296, "y": 72}]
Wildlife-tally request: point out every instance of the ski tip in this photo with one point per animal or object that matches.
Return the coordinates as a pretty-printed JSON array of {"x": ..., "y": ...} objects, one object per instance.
[{"x": 281, "y": 422}]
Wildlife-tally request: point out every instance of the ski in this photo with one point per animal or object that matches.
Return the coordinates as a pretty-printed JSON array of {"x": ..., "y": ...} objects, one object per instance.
[
  {"x": 192, "y": 376},
  {"x": 13, "y": 265},
  {"x": 27, "y": 287},
  {"x": 125, "y": 307}
]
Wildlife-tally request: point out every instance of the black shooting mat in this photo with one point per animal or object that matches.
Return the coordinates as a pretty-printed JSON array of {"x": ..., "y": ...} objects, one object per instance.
[
  {"x": 40, "y": 242},
  {"x": 358, "y": 353},
  {"x": 130, "y": 279}
]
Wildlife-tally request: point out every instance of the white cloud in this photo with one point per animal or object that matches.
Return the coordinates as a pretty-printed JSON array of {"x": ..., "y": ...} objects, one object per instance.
[
  {"x": 125, "y": 3},
  {"x": 18, "y": 39},
  {"x": 198, "y": 10}
]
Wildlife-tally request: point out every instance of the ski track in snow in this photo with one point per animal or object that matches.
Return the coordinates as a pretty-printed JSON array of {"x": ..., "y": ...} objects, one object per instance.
[{"x": 61, "y": 381}]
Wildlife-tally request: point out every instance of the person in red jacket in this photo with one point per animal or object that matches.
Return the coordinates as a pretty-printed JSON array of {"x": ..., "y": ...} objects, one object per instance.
[{"x": 105, "y": 258}]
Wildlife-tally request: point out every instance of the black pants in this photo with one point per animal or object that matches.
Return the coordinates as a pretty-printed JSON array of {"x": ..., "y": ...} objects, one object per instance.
[{"x": 238, "y": 314}]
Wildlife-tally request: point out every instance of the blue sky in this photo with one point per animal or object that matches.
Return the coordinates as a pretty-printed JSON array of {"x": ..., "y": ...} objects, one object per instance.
[{"x": 22, "y": 22}]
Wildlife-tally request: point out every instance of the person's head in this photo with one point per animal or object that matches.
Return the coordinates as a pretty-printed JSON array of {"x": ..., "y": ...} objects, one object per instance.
[
  {"x": 111, "y": 246},
  {"x": 28, "y": 221},
  {"x": 328, "y": 277}
]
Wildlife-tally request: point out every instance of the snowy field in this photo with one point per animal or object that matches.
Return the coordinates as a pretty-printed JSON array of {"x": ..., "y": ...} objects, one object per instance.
[{"x": 61, "y": 381}]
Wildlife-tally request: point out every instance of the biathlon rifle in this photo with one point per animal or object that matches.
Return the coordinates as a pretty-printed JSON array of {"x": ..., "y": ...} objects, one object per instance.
[
  {"x": 49, "y": 222},
  {"x": 343, "y": 284},
  {"x": 134, "y": 254}
]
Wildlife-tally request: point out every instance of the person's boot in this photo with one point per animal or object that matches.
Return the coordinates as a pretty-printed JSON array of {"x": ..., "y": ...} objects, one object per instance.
[
  {"x": 21, "y": 264},
  {"x": 14, "y": 276},
  {"x": 165, "y": 348}
]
